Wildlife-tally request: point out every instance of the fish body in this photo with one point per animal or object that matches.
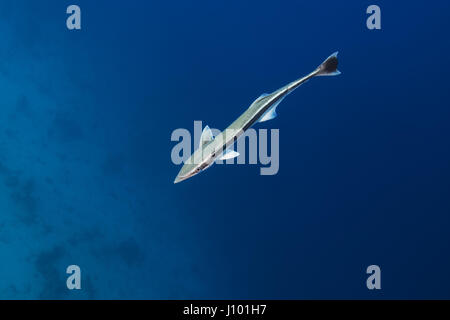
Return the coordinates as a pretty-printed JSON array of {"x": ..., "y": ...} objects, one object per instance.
[{"x": 262, "y": 109}]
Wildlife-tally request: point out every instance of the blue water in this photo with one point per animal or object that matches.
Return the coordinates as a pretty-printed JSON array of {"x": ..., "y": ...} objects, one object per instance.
[{"x": 86, "y": 176}]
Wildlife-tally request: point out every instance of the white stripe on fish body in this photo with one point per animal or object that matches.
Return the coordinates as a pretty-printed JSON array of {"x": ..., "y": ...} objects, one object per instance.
[{"x": 262, "y": 109}]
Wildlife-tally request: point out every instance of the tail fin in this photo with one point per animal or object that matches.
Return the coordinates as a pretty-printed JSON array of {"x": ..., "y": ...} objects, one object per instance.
[{"x": 329, "y": 66}]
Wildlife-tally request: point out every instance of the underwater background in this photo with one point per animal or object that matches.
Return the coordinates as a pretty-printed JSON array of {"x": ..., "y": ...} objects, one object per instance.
[{"x": 86, "y": 175}]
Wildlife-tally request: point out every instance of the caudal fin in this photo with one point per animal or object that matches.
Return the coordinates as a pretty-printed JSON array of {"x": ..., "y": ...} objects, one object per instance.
[{"x": 329, "y": 66}]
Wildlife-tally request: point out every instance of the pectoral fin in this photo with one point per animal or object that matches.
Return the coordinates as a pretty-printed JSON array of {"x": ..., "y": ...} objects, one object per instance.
[
  {"x": 269, "y": 115},
  {"x": 206, "y": 136},
  {"x": 229, "y": 154}
]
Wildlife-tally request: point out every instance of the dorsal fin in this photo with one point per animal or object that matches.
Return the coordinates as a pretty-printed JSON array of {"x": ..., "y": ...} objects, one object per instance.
[
  {"x": 206, "y": 136},
  {"x": 262, "y": 96}
]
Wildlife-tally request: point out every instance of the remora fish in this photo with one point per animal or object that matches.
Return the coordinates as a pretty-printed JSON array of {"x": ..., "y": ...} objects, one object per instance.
[{"x": 262, "y": 109}]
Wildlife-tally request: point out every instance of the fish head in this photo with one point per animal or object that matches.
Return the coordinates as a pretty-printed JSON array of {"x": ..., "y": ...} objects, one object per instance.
[
  {"x": 187, "y": 171},
  {"x": 195, "y": 164}
]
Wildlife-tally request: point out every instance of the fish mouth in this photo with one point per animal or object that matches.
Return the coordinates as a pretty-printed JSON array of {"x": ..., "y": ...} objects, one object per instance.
[
  {"x": 179, "y": 179},
  {"x": 183, "y": 174}
]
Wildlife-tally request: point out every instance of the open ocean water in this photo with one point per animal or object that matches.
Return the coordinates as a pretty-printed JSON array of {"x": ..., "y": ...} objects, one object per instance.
[{"x": 86, "y": 176}]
